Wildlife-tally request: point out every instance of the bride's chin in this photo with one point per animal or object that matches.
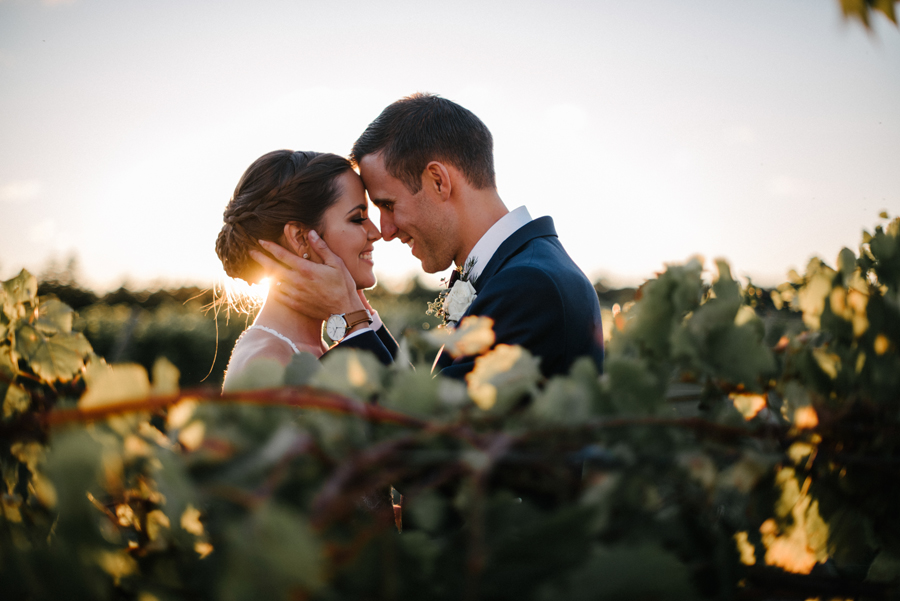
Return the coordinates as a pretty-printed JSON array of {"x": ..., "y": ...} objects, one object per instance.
[{"x": 366, "y": 282}]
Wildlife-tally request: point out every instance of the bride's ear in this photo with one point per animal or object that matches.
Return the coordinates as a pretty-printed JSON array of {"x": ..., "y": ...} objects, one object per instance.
[{"x": 295, "y": 239}]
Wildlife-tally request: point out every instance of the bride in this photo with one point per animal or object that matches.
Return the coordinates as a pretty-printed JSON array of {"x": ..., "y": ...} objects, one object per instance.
[{"x": 291, "y": 199}]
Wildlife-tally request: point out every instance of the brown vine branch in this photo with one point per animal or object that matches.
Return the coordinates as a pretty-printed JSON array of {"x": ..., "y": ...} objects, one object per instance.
[{"x": 301, "y": 397}]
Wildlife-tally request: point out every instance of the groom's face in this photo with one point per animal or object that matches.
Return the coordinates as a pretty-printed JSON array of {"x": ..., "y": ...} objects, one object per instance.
[{"x": 416, "y": 219}]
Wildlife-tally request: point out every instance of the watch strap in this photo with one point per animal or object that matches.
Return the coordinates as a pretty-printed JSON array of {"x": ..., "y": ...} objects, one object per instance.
[{"x": 357, "y": 317}]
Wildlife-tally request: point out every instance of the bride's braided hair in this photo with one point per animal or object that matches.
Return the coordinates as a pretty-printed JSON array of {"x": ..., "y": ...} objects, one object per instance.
[{"x": 283, "y": 186}]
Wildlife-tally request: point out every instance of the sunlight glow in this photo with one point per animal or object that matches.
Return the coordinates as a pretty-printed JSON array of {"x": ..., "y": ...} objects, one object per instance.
[{"x": 239, "y": 296}]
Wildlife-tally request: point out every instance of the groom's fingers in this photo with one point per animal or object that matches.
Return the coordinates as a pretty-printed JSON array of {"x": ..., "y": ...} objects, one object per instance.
[
  {"x": 268, "y": 263},
  {"x": 282, "y": 275},
  {"x": 285, "y": 256},
  {"x": 271, "y": 266},
  {"x": 318, "y": 246},
  {"x": 315, "y": 289}
]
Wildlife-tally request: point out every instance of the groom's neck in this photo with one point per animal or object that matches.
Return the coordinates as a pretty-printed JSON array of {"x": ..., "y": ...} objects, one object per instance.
[{"x": 481, "y": 209}]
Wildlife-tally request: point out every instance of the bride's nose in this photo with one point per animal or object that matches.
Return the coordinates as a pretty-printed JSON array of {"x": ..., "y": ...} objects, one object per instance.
[{"x": 373, "y": 233}]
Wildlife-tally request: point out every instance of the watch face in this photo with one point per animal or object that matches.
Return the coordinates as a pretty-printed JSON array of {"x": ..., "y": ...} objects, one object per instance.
[{"x": 335, "y": 327}]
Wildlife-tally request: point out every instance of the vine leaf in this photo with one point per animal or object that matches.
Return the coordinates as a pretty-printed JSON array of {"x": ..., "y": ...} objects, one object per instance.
[
  {"x": 16, "y": 293},
  {"x": 262, "y": 372},
  {"x": 17, "y": 400},
  {"x": 278, "y": 543},
  {"x": 301, "y": 369},
  {"x": 165, "y": 377},
  {"x": 414, "y": 393},
  {"x": 351, "y": 373},
  {"x": 473, "y": 336},
  {"x": 55, "y": 357},
  {"x": 8, "y": 371},
  {"x": 54, "y": 316},
  {"x": 114, "y": 383},
  {"x": 501, "y": 376}
]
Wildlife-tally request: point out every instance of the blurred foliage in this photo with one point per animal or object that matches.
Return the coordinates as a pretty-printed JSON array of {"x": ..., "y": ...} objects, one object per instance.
[
  {"x": 862, "y": 10},
  {"x": 193, "y": 330},
  {"x": 742, "y": 443}
]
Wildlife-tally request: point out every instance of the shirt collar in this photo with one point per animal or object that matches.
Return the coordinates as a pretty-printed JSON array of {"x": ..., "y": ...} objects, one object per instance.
[{"x": 505, "y": 227}]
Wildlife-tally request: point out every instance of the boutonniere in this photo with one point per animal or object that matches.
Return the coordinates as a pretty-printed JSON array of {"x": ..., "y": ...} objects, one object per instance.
[{"x": 452, "y": 302}]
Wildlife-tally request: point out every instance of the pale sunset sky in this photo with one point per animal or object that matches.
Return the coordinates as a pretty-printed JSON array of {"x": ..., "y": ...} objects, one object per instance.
[{"x": 761, "y": 131}]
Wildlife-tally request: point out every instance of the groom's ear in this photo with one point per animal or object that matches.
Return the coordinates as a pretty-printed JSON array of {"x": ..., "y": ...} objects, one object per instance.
[
  {"x": 295, "y": 239},
  {"x": 437, "y": 177}
]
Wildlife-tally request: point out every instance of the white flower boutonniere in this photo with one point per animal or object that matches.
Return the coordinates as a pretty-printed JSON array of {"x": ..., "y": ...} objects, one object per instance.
[
  {"x": 458, "y": 300},
  {"x": 451, "y": 304}
]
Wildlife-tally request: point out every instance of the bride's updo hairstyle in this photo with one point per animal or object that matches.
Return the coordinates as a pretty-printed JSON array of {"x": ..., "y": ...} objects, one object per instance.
[{"x": 280, "y": 187}]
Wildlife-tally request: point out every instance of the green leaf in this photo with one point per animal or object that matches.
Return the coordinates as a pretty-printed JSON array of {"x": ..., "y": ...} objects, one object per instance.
[
  {"x": 502, "y": 376},
  {"x": 272, "y": 555},
  {"x": 563, "y": 401},
  {"x": 426, "y": 510},
  {"x": 262, "y": 372},
  {"x": 74, "y": 466},
  {"x": 621, "y": 572},
  {"x": 846, "y": 262},
  {"x": 885, "y": 568},
  {"x": 113, "y": 384},
  {"x": 301, "y": 369},
  {"x": 350, "y": 372},
  {"x": 17, "y": 400},
  {"x": 633, "y": 386},
  {"x": 414, "y": 393},
  {"x": 52, "y": 357},
  {"x": 8, "y": 370},
  {"x": 18, "y": 292},
  {"x": 165, "y": 377},
  {"x": 54, "y": 316},
  {"x": 664, "y": 303}
]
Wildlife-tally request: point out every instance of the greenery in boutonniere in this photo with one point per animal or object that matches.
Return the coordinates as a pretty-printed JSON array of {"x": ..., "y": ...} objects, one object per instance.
[{"x": 447, "y": 307}]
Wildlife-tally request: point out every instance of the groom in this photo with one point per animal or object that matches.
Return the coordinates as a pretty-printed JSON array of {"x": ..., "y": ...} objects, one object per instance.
[{"x": 427, "y": 164}]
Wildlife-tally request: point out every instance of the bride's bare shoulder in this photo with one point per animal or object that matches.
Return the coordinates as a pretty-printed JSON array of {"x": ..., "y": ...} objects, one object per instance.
[
  {"x": 255, "y": 347},
  {"x": 257, "y": 357}
]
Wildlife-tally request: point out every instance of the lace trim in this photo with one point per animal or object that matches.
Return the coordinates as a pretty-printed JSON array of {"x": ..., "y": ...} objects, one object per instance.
[{"x": 277, "y": 335}]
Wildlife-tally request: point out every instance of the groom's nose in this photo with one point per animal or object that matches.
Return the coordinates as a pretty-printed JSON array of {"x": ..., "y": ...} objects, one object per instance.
[{"x": 388, "y": 229}]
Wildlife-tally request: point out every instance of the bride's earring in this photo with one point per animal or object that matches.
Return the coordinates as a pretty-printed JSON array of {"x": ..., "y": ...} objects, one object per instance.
[{"x": 305, "y": 255}]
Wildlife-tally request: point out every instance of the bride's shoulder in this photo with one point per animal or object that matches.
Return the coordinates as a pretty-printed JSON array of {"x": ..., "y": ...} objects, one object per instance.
[
  {"x": 254, "y": 347},
  {"x": 255, "y": 343},
  {"x": 256, "y": 358}
]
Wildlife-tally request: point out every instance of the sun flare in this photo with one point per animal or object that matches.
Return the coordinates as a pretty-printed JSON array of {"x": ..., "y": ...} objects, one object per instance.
[{"x": 242, "y": 297}]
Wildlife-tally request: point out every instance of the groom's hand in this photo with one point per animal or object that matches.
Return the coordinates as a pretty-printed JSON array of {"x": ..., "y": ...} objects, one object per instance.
[{"x": 314, "y": 289}]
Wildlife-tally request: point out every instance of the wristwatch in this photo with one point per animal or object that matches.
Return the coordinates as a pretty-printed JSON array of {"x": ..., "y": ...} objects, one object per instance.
[{"x": 338, "y": 325}]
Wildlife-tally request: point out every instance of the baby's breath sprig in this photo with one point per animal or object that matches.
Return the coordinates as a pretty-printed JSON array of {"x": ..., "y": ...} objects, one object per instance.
[{"x": 436, "y": 307}]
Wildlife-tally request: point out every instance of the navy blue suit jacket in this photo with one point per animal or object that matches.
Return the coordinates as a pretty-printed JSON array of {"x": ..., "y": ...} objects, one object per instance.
[
  {"x": 539, "y": 299},
  {"x": 379, "y": 342}
]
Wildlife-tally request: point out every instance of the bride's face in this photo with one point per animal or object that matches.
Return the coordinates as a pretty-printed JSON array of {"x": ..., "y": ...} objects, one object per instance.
[{"x": 349, "y": 232}]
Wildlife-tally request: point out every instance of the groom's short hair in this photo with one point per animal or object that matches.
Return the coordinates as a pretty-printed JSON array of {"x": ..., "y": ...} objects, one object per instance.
[{"x": 421, "y": 128}]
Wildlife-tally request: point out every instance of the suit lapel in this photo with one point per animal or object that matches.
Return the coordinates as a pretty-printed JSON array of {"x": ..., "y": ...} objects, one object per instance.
[{"x": 537, "y": 228}]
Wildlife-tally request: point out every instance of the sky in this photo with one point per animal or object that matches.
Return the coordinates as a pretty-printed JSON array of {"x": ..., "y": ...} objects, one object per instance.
[{"x": 764, "y": 132}]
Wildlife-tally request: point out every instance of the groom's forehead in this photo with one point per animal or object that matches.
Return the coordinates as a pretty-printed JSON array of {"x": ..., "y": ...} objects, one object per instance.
[{"x": 381, "y": 186}]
